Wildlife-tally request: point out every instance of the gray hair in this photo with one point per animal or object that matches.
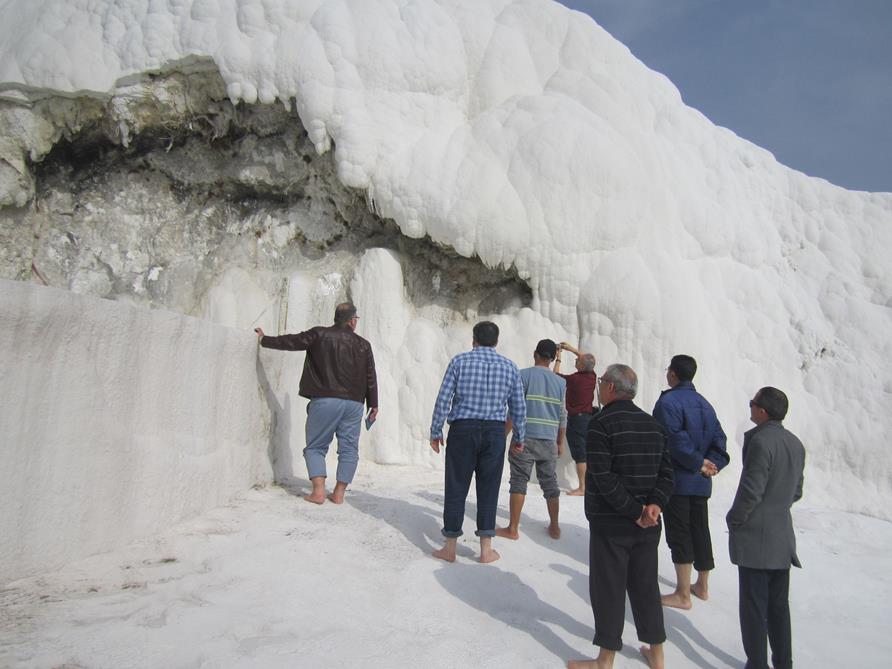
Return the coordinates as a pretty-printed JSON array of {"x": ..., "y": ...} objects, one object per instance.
[
  {"x": 624, "y": 380},
  {"x": 588, "y": 362}
]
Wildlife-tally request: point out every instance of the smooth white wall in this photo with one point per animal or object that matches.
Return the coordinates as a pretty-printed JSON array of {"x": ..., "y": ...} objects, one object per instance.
[{"x": 116, "y": 422}]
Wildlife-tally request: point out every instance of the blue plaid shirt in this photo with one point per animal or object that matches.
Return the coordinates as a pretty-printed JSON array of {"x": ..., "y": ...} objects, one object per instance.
[{"x": 477, "y": 385}]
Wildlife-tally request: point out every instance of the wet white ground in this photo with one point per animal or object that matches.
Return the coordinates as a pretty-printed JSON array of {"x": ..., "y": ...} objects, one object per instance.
[{"x": 272, "y": 581}]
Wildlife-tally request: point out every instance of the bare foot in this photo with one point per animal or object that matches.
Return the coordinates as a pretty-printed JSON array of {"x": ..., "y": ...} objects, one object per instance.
[
  {"x": 554, "y": 531},
  {"x": 583, "y": 664},
  {"x": 676, "y": 601},
  {"x": 577, "y": 492},
  {"x": 315, "y": 499},
  {"x": 444, "y": 554},
  {"x": 489, "y": 555},
  {"x": 336, "y": 498},
  {"x": 506, "y": 533},
  {"x": 699, "y": 592},
  {"x": 653, "y": 656}
]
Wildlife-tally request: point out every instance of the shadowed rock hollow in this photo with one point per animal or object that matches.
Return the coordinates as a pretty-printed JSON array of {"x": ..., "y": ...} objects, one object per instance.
[{"x": 153, "y": 195}]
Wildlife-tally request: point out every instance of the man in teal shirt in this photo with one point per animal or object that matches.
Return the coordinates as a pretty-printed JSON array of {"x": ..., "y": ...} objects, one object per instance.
[{"x": 546, "y": 425}]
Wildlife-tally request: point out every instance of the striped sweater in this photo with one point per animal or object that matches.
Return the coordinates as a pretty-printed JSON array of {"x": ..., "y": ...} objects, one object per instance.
[
  {"x": 544, "y": 393},
  {"x": 628, "y": 466}
]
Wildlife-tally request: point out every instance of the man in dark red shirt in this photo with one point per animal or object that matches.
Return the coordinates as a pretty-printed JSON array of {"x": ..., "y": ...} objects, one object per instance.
[{"x": 580, "y": 401}]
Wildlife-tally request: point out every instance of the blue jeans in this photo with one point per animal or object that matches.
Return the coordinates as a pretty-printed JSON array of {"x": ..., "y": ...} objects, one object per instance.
[
  {"x": 327, "y": 417},
  {"x": 473, "y": 447}
]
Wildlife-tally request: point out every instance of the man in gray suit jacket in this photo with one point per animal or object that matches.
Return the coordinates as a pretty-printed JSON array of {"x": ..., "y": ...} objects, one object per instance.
[{"x": 762, "y": 543}]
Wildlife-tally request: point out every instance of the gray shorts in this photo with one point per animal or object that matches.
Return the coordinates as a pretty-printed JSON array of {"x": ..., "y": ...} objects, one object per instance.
[{"x": 543, "y": 454}]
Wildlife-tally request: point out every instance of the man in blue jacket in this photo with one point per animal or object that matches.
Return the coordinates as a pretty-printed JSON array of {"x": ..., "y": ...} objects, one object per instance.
[{"x": 697, "y": 447}]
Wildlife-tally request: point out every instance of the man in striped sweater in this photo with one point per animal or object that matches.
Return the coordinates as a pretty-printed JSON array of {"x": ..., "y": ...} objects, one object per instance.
[
  {"x": 628, "y": 483},
  {"x": 544, "y": 393}
]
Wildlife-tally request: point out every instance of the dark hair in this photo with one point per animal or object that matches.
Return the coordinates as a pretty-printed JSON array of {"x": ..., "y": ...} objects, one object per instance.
[
  {"x": 486, "y": 333},
  {"x": 774, "y": 402},
  {"x": 344, "y": 312},
  {"x": 684, "y": 366},
  {"x": 546, "y": 349}
]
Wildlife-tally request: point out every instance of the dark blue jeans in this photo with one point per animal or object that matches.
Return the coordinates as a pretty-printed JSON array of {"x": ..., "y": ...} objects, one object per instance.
[{"x": 473, "y": 447}]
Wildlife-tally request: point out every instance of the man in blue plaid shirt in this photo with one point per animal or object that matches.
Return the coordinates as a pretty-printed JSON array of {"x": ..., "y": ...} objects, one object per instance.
[{"x": 479, "y": 388}]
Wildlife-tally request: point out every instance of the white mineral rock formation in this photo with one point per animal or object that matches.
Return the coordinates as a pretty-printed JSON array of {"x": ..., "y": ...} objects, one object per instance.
[{"x": 255, "y": 162}]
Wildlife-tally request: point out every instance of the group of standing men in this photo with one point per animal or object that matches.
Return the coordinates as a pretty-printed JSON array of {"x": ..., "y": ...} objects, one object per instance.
[{"x": 633, "y": 468}]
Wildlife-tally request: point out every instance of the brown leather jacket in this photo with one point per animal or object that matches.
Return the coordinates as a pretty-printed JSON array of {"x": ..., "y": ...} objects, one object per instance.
[{"x": 339, "y": 363}]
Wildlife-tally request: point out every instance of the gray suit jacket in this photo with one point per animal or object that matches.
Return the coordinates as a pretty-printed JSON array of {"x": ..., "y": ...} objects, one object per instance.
[{"x": 759, "y": 522}]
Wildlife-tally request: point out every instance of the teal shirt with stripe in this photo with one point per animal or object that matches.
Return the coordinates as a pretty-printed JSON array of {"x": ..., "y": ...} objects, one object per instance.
[{"x": 544, "y": 393}]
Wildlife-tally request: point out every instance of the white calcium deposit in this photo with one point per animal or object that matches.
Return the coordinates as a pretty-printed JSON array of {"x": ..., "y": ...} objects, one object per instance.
[
  {"x": 518, "y": 133},
  {"x": 117, "y": 423}
]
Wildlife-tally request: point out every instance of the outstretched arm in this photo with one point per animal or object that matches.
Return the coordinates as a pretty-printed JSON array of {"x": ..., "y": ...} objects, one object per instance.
[
  {"x": 569, "y": 347},
  {"x": 289, "y": 342}
]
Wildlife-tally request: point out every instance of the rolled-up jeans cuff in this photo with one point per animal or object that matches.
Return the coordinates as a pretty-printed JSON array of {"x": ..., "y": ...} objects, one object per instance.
[
  {"x": 451, "y": 534},
  {"x": 485, "y": 533}
]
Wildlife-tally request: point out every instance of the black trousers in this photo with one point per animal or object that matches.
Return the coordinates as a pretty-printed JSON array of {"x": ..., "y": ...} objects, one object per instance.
[
  {"x": 620, "y": 563},
  {"x": 765, "y": 617},
  {"x": 687, "y": 531},
  {"x": 577, "y": 430}
]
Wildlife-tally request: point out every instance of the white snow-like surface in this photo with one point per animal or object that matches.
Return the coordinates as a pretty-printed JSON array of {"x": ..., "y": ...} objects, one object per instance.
[
  {"x": 116, "y": 423},
  {"x": 274, "y": 582}
]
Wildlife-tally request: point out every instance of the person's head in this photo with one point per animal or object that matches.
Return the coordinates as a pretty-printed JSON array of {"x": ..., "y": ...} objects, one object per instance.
[
  {"x": 768, "y": 404},
  {"x": 681, "y": 368},
  {"x": 486, "y": 333},
  {"x": 618, "y": 382},
  {"x": 345, "y": 314},
  {"x": 585, "y": 363},
  {"x": 546, "y": 351}
]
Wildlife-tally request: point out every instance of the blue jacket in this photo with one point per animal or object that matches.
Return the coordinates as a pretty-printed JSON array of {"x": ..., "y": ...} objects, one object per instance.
[{"x": 695, "y": 434}]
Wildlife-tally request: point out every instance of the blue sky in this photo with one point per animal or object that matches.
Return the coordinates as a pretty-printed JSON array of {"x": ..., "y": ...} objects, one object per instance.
[{"x": 809, "y": 80}]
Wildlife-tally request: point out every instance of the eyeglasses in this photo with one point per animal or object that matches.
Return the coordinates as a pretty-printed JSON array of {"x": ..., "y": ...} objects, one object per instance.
[
  {"x": 603, "y": 380},
  {"x": 753, "y": 403}
]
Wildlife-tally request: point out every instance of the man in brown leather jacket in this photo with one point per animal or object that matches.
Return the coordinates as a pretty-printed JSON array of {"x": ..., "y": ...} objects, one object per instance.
[{"x": 339, "y": 375}]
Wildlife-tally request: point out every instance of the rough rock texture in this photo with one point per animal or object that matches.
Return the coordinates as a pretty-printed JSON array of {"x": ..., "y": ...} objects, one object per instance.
[{"x": 152, "y": 195}]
